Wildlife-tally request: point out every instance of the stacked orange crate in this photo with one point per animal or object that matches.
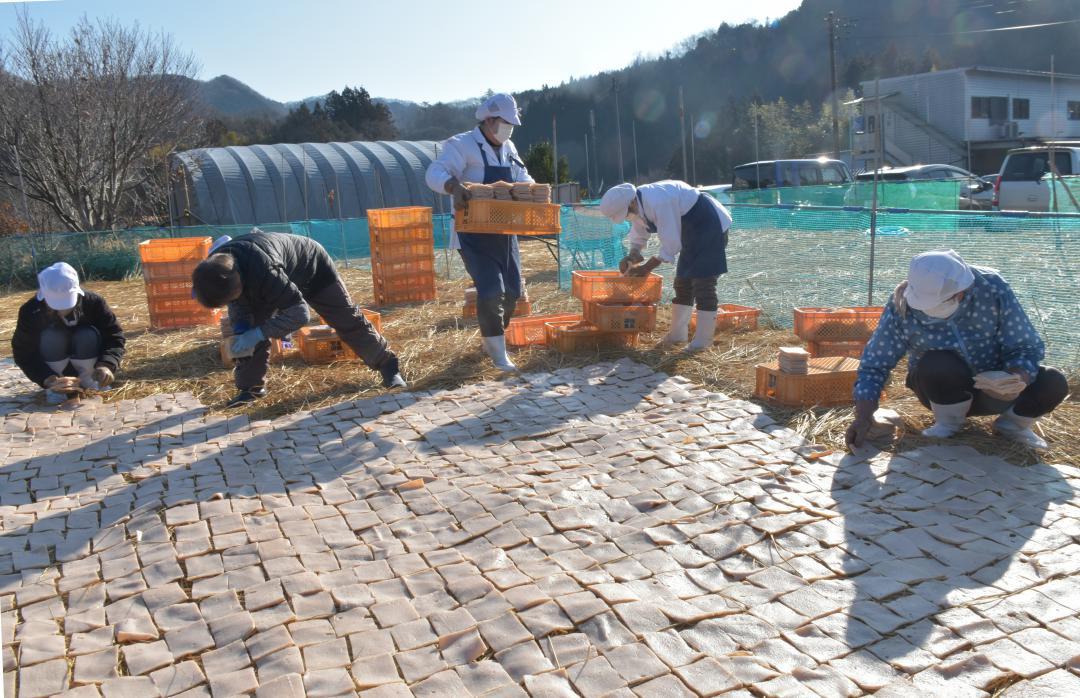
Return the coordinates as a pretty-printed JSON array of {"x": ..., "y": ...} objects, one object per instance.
[
  {"x": 616, "y": 309},
  {"x": 402, "y": 254},
  {"x": 837, "y": 331},
  {"x": 167, "y": 264}
]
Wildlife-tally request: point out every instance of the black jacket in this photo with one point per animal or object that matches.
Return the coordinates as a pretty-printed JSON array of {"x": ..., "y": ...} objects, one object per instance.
[
  {"x": 277, "y": 271},
  {"x": 35, "y": 316}
]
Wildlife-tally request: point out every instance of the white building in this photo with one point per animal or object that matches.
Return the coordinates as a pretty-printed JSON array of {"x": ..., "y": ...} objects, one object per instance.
[{"x": 966, "y": 117}]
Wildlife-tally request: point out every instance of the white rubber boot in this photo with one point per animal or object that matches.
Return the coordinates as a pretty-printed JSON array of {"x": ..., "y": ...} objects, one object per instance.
[
  {"x": 680, "y": 325},
  {"x": 85, "y": 368},
  {"x": 496, "y": 349},
  {"x": 58, "y": 367},
  {"x": 705, "y": 331},
  {"x": 1019, "y": 429},
  {"x": 948, "y": 419}
]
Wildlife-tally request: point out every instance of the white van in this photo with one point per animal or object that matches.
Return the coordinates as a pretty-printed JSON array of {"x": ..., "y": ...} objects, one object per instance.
[{"x": 1022, "y": 184}]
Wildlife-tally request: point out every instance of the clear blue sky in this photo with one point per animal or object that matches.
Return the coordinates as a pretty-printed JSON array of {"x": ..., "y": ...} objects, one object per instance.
[{"x": 423, "y": 50}]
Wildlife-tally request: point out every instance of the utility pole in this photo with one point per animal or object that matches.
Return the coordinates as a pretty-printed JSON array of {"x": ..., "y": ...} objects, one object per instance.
[
  {"x": 633, "y": 135},
  {"x": 554, "y": 157},
  {"x": 596, "y": 155},
  {"x": 618, "y": 127},
  {"x": 588, "y": 171},
  {"x": 682, "y": 133},
  {"x": 693, "y": 158},
  {"x": 831, "y": 20}
]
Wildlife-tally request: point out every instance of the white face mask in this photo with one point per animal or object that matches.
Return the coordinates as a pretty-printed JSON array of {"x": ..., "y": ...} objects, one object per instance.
[
  {"x": 503, "y": 132},
  {"x": 944, "y": 311}
]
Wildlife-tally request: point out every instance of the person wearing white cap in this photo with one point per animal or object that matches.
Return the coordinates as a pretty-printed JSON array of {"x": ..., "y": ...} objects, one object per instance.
[
  {"x": 971, "y": 351},
  {"x": 67, "y": 339},
  {"x": 486, "y": 155},
  {"x": 693, "y": 227}
]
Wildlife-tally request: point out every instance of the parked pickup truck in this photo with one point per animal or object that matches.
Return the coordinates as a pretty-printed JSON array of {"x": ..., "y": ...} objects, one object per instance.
[{"x": 1024, "y": 183}]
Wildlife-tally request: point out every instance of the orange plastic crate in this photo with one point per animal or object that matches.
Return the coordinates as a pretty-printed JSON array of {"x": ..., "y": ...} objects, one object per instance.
[
  {"x": 193, "y": 317},
  {"x": 829, "y": 383},
  {"x": 416, "y": 267},
  {"x": 320, "y": 344},
  {"x": 581, "y": 336},
  {"x": 621, "y": 317},
  {"x": 837, "y": 324},
  {"x": 404, "y": 290},
  {"x": 613, "y": 287},
  {"x": 403, "y": 252},
  {"x": 508, "y": 218},
  {"x": 174, "y": 288},
  {"x": 161, "y": 306},
  {"x": 168, "y": 271},
  {"x": 174, "y": 249},
  {"x": 732, "y": 318},
  {"x": 529, "y": 331},
  {"x": 399, "y": 217},
  {"x": 852, "y": 349}
]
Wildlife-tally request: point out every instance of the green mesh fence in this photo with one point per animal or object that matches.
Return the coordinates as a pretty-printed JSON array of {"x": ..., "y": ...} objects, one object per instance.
[
  {"x": 926, "y": 194},
  {"x": 111, "y": 255},
  {"x": 1064, "y": 194},
  {"x": 785, "y": 257}
]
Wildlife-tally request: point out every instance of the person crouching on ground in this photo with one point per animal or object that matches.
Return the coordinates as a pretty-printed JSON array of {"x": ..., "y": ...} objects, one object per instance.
[
  {"x": 268, "y": 281},
  {"x": 971, "y": 351},
  {"x": 692, "y": 226},
  {"x": 67, "y": 339}
]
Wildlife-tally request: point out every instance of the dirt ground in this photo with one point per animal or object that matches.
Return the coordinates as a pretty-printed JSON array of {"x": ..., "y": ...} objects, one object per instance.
[{"x": 440, "y": 350}]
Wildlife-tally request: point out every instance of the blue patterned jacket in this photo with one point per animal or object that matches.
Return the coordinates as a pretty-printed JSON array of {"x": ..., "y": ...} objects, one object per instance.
[{"x": 990, "y": 331}]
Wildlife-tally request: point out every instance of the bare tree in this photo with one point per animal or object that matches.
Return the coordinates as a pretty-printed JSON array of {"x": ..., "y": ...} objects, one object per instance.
[{"x": 89, "y": 120}]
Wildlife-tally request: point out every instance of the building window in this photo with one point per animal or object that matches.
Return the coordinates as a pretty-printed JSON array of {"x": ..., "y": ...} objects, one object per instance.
[
  {"x": 1074, "y": 111},
  {"x": 994, "y": 108},
  {"x": 1021, "y": 109}
]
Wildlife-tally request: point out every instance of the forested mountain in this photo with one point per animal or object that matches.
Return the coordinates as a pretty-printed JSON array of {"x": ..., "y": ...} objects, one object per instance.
[{"x": 782, "y": 67}]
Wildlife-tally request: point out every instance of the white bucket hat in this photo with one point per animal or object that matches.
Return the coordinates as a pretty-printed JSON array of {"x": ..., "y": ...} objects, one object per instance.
[
  {"x": 616, "y": 201},
  {"x": 501, "y": 105},
  {"x": 935, "y": 277},
  {"x": 58, "y": 286}
]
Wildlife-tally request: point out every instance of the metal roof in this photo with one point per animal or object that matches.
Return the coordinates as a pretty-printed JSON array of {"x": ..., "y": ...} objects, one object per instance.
[{"x": 261, "y": 184}]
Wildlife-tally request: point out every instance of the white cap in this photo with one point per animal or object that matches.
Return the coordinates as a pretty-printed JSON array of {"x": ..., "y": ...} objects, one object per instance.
[
  {"x": 501, "y": 105},
  {"x": 58, "y": 286},
  {"x": 934, "y": 277},
  {"x": 615, "y": 202}
]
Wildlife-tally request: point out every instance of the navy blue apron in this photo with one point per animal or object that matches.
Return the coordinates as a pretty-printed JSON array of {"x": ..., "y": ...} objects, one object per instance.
[
  {"x": 492, "y": 260},
  {"x": 704, "y": 242}
]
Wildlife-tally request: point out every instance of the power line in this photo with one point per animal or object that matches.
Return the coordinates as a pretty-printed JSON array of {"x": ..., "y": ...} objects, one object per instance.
[{"x": 970, "y": 31}]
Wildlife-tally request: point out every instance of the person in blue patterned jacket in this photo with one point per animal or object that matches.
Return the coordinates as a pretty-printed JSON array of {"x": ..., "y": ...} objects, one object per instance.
[{"x": 971, "y": 351}]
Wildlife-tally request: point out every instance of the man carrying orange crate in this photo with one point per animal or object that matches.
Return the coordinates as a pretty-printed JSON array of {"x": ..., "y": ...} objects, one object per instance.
[
  {"x": 971, "y": 351},
  {"x": 268, "y": 281},
  {"x": 692, "y": 226},
  {"x": 486, "y": 155}
]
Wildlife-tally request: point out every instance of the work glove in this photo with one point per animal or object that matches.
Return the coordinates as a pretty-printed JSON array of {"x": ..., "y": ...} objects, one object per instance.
[
  {"x": 103, "y": 375},
  {"x": 630, "y": 260},
  {"x": 63, "y": 384},
  {"x": 861, "y": 425},
  {"x": 460, "y": 193},
  {"x": 244, "y": 344},
  {"x": 644, "y": 269},
  {"x": 1001, "y": 385}
]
